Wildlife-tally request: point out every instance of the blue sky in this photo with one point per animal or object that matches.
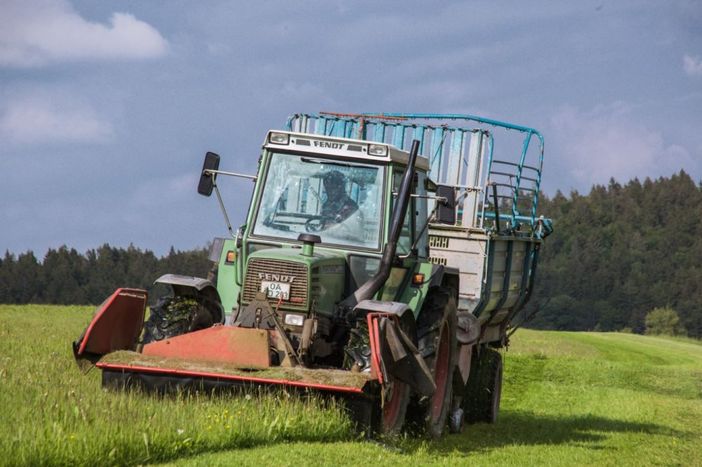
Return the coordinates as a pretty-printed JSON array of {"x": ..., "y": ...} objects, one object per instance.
[{"x": 107, "y": 108}]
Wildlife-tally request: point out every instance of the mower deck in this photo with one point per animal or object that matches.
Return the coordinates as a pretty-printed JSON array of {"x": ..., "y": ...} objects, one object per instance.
[{"x": 130, "y": 364}]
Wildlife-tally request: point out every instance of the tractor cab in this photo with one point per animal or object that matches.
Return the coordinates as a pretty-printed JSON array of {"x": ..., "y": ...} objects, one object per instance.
[{"x": 336, "y": 191}]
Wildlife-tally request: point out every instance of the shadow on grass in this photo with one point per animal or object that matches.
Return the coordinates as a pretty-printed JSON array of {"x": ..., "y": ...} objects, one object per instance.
[{"x": 526, "y": 428}]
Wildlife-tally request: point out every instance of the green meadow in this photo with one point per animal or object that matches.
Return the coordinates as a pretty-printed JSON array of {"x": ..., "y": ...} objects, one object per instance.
[{"x": 568, "y": 399}]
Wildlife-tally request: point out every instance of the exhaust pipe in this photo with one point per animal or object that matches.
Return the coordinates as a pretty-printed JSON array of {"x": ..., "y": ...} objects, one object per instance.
[{"x": 369, "y": 289}]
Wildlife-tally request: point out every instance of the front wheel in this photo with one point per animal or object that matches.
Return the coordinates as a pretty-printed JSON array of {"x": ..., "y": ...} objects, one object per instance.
[
  {"x": 173, "y": 316},
  {"x": 396, "y": 398},
  {"x": 436, "y": 332}
]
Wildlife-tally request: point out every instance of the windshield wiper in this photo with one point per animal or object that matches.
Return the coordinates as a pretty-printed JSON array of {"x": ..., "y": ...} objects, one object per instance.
[{"x": 326, "y": 161}]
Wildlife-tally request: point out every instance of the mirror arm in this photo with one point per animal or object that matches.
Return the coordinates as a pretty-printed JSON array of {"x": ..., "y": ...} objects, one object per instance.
[
  {"x": 231, "y": 174},
  {"x": 224, "y": 211}
]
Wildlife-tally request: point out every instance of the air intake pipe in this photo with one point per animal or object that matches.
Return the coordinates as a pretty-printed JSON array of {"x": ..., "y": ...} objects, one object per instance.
[{"x": 368, "y": 289}]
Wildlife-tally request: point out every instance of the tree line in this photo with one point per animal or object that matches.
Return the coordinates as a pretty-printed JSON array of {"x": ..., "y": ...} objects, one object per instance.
[
  {"x": 65, "y": 276},
  {"x": 617, "y": 253}
]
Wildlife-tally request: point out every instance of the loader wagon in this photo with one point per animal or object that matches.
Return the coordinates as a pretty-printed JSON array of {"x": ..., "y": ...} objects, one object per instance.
[{"x": 383, "y": 259}]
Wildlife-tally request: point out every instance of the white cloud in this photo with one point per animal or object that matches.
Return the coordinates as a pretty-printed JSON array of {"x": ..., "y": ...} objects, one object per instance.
[
  {"x": 692, "y": 65},
  {"x": 594, "y": 146},
  {"x": 39, "y": 119},
  {"x": 40, "y": 32}
]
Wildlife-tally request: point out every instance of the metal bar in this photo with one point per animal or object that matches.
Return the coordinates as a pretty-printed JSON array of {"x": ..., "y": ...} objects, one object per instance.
[
  {"x": 455, "y": 151},
  {"x": 515, "y": 164},
  {"x": 349, "y": 128},
  {"x": 224, "y": 211},
  {"x": 496, "y": 206},
  {"x": 398, "y": 136},
  {"x": 538, "y": 182},
  {"x": 233, "y": 174},
  {"x": 418, "y": 134},
  {"x": 323, "y": 122},
  {"x": 505, "y": 282},
  {"x": 503, "y": 184},
  {"x": 379, "y": 133},
  {"x": 491, "y": 215},
  {"x": 437, "y": 144},
  {"x": 467, "y": 117},
  {"x": 525, "y": 148},
  {"x": 524, "y": 177},
  {"x": 490, "y": 148},
  {"x": 488, "y": 266}
]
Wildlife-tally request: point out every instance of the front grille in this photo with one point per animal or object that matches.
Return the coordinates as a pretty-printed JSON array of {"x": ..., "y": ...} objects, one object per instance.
[{"x": 298, "y": 288}]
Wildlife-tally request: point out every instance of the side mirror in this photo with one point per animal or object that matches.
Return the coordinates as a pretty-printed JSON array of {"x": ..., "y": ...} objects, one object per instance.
[
  {"x": 446, "y": 212},
  {"x": 207, "y": 179}
]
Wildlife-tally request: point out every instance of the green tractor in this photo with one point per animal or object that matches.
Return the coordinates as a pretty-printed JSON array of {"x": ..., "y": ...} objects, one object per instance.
[{"x": 384, "y": 275}]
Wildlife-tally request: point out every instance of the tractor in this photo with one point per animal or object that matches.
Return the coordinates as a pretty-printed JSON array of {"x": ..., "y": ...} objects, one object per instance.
[{"x": 383, "y": 259}]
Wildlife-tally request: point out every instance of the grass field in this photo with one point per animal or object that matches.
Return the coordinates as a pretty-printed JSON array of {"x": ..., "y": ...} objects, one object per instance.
[{"x": 568, "y": 399}]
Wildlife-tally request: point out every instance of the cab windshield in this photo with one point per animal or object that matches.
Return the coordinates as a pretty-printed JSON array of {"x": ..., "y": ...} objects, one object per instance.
[{"x": 339, "y": 201}]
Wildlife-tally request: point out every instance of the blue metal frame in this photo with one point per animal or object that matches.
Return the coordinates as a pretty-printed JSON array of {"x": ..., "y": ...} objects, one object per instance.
[{"x": 376, "y": 126}]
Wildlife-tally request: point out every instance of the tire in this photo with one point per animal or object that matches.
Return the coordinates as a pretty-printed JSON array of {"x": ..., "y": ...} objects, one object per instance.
[
  {"x": 436, "y": 332},
  {"x": 395, "y": 400},
  {"x": 173, "y": 316},
  {"x": 394, "y": 409},
  {"x": 481, "y": 401}
]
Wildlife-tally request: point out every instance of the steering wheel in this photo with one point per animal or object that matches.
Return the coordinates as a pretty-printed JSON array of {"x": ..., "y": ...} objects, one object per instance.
[{"x": 316, "y": 223}]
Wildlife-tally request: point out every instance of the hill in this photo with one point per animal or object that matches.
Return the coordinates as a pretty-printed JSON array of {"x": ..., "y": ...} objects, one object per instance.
[
  {"x": 619, "y": 252},
  {"x": 569, "y": 398}
]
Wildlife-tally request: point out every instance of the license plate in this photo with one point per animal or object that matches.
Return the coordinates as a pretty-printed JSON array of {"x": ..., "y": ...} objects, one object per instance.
[{"x": 276, "y": 289}]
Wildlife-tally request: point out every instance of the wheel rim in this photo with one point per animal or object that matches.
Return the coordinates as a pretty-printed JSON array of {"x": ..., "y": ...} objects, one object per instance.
[
  {"x": 441, "y": 371},
  {"x": 392, "y": 409}
]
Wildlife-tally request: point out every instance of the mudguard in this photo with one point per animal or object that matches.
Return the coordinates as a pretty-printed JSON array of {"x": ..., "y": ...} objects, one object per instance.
[
  {"x": 393, "y": 352},
  {"x": 202, "y": 290}
]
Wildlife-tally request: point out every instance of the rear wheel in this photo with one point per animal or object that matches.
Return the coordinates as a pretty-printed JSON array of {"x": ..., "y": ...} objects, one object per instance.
[
  {"x": 436, "y": 330},
  {"x": 481, "y": 401},
  {"x": 173, "y": 316}
]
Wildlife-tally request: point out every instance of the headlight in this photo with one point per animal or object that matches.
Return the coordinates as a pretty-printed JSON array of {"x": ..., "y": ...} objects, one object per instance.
[
  {"x": 377, "y": 150},
  {"x": 279, "y": 138},
  {"x": 294, "y": 320}
]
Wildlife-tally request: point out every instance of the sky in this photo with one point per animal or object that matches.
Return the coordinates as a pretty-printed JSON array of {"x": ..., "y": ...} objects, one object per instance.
[{"x": 107, "y": 108}]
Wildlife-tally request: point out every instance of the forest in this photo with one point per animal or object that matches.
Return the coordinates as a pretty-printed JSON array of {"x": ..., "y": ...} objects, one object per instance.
[
  {"x": 67, "y": 277},
  {"x": 616, "y": 254}
]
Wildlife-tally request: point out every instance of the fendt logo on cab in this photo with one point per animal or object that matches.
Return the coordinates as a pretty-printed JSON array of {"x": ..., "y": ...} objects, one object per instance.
[
  {"x": 328, "y": 144},
  {"x": 276, "y": 277}
]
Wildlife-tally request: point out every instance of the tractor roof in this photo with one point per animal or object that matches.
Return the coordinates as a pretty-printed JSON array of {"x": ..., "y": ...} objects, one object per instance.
[{"x": 346, "y": 148}]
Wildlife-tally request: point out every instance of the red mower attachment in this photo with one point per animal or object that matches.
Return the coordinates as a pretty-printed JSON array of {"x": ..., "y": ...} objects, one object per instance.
[{"x": 117, "y": 325}]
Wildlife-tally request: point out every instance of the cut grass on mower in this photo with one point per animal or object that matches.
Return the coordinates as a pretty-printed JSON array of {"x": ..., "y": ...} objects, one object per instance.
[{"x": 568, "y": 398}]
